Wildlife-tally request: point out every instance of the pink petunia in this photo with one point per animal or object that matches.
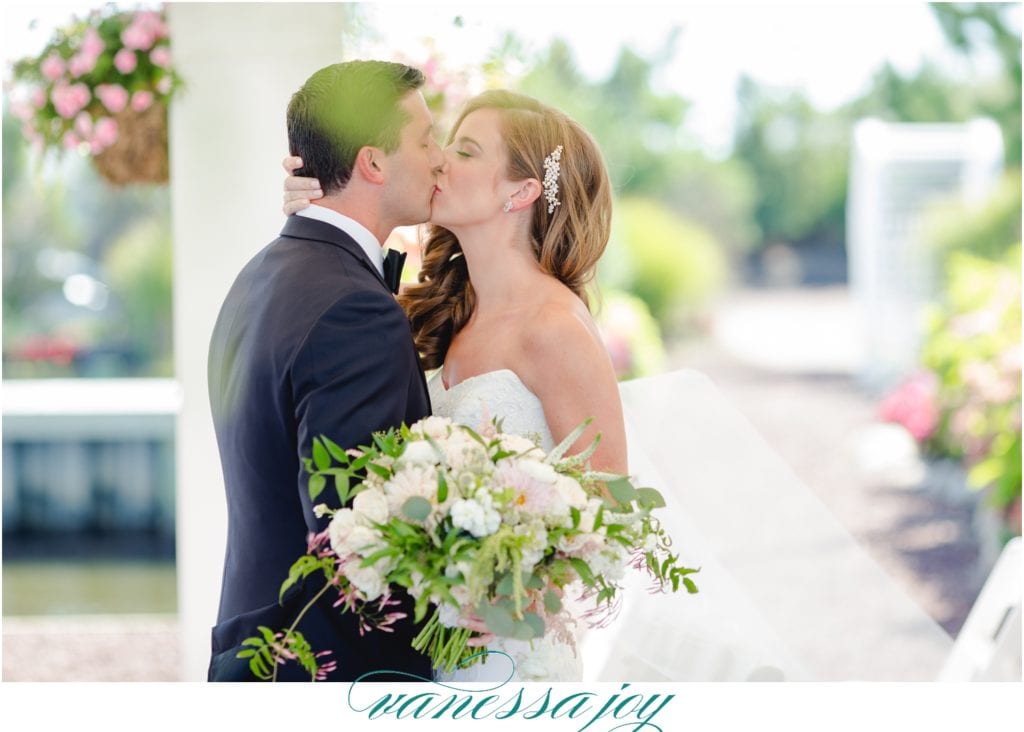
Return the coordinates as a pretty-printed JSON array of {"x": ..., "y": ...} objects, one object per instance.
[
  {"x": 52, "y": 67},
  {"x": 92, "y": 44},
  {"x": 142, "y": 100},
  {"x": 138, "y": 36},
  {"x": 70, "y": 100},
  {"x": 83, "y": 125},
  {"x": 161, "y": 56},
  {"x": 113, "y": 96},
  {"x": 81, "y": 64},
  {"x": 105, "y": 132},
  {"x": 125, "y": 61}
]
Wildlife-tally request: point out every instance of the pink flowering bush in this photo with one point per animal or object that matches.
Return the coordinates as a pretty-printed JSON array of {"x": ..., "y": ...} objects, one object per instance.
[
  {"x": 93, "y": 81},
  {"x": 966, "y": 404}
]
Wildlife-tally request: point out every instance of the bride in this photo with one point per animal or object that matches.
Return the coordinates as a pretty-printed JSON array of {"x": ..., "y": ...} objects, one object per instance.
[{"x": 520, "y": 216}]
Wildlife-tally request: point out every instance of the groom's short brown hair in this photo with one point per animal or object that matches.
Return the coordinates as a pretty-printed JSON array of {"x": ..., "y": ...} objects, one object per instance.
[{"x": 344, "y": 107}]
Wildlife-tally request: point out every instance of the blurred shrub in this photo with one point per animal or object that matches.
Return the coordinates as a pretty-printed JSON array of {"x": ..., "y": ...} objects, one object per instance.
[
  {"x": 139, "y": 267},
  {"x": 987, "y": 231},
  {"x": 974, "y": 347},
  {"x": 672, "y": 264},
  {"x": 630, "y": 334}
]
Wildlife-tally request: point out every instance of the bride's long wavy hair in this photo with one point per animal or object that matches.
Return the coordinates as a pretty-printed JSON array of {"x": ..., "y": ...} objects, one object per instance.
[{"x": 567, "y": 242}]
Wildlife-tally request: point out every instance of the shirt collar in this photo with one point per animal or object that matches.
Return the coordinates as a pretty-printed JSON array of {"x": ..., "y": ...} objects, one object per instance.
[{"x": 350, "y": 226}]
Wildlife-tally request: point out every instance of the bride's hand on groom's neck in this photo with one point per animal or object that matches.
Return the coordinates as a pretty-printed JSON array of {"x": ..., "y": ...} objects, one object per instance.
[{"x": 298, "y": 191}]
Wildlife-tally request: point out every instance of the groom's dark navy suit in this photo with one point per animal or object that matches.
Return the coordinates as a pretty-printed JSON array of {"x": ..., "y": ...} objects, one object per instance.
[{"x": 309, "y": 341}]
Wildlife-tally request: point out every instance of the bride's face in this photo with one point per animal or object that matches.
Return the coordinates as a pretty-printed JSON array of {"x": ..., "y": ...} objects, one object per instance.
[{"x": 472, "y": 186}]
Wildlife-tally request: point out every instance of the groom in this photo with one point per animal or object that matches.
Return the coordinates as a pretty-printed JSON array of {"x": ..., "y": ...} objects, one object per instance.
[{"x": 311, "y": 341}]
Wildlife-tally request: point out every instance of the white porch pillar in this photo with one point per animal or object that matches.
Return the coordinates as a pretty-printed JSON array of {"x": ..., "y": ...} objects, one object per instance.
[{"x": 241, "y": 63}]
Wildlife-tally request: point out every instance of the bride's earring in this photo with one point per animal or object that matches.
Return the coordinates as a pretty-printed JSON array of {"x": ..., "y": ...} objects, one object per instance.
[{"x": 508, "y": 206}]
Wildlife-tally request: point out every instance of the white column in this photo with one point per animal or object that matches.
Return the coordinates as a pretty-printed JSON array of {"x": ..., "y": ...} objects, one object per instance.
[{"x": 241, "y": 63}]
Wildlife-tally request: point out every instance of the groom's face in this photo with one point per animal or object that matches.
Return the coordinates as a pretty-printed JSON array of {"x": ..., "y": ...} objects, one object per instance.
[{"x": 413, "y": 166}]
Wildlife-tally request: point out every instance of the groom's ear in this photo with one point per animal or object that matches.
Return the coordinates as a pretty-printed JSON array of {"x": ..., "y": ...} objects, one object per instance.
[
  {"x": 528, "y": 191},
  {"x": 368, "y": 165}
]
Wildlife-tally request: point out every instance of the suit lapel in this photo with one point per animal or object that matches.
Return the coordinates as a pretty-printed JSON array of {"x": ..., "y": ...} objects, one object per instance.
[{"x": 299, "y": 227}]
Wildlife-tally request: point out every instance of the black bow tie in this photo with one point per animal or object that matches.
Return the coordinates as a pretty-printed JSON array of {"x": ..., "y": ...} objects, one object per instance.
[{"x": 393, "y": 263}]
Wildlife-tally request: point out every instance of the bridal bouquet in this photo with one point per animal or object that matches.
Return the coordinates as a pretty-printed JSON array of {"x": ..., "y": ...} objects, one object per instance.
[{"x": 471, "y": 524}]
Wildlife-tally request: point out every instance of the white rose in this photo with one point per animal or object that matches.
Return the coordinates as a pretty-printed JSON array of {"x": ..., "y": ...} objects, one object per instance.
[
  {"x": 419, "y": 452},
  {"x": 517, "y": 443},
  {"x": 368, "y": 580},
  {"x": 342, "y": 523},
  {"x": 371, "y": 505},
  {"x": 571, "y": 491},
  {"x": 436, "y": 428},
  {"x": 360, "y": 540}
]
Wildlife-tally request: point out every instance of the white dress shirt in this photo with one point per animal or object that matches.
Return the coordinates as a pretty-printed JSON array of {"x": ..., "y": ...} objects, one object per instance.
[{"x": 353, "y": 228}]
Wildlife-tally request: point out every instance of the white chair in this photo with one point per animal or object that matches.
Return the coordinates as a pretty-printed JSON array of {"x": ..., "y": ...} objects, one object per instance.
[{"x": 988, "y": 647}]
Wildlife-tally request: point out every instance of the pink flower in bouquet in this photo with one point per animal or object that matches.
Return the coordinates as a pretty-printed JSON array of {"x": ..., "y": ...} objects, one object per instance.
[
  {"x": 914, "y": 405},
  {"x": 113, "y": 96},
  {"x": 70, "y": 100},
  {"x": 71, "y": 140},
  {"x": 139, "y": 35},
  {"x": 81, "y": 64},
  {"x": 142, "y": 100},
  {"x": 105, "y": 132},
  {"x": 161, "y": 56},
  {"x": 52, "y": 67},
  {"x": 125, "y": 61},
  {"x": 38, "y": 98},
  {"x": 83, "y": 125},
  {"x": 164, "y": 85}
]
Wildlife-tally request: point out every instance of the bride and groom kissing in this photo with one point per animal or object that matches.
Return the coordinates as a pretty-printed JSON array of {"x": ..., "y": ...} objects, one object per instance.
[{"x": 311, "y": 339}]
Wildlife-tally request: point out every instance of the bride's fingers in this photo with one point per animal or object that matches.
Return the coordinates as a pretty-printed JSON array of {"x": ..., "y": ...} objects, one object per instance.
[
  {"x": 298, "y": 200},
  {"x": 480, "y": 640},
  {"x": 291, "y": 164},
  {"x": 298, "y": 184},
  {"x": 474, "y": 624}
]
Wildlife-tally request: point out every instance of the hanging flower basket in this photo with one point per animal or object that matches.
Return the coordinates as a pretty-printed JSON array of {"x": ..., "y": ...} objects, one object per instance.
[
  {"x": 102, "y": 87},
  {"x": 139, "y": 154}
]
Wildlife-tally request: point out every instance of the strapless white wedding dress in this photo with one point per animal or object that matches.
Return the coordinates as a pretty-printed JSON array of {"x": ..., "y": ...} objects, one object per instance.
[
  {"x": 475, "y": 402},
  {"x": 785, "y": 592}
]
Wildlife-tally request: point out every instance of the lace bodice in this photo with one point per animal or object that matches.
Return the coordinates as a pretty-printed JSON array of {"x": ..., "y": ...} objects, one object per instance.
[{"x": 476, "y": 400}]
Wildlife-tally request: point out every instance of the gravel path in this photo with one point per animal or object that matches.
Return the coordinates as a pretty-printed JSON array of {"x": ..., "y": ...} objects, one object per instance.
[{"x": 806, "y": 403}]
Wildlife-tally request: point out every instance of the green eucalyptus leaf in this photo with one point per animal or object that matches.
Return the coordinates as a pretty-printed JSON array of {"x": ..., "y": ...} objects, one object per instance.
[
  {"x": 622, "y": 490},
  {"x": 552, "y": 602},
  {"x": 499, "y": 620},
  {"x": 416, "y": 508},
  {"x": 650, "y": 497}
]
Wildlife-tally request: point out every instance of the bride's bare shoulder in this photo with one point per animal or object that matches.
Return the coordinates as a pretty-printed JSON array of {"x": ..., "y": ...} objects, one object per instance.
[{"x": 560, "y": 329}]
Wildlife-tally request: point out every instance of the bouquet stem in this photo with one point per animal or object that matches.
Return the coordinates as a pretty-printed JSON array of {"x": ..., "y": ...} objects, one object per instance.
[{"x": 447, "y": 647}]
